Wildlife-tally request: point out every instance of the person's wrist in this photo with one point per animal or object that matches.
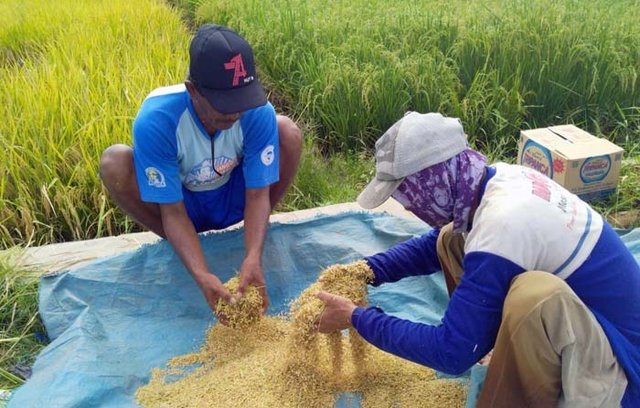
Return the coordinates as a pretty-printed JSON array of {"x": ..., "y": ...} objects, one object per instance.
[
  {"x": 374, "y": 280},
  {"x": 253, "y": 254},
  {"x": 252, "y": 259},
  {"x": 354, "y": 315},
  {"x": 202, "y": 278}
]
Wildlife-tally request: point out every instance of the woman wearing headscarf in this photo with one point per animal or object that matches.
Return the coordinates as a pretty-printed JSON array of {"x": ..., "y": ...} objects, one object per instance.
[{"x": 534, "y": 274}]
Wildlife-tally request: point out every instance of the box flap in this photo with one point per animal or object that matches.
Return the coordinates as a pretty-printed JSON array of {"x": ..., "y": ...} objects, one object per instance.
[
  {"x": 572, "y": 133},
  {"x": 591, "y": 149},
  {"x": 571, "y": 142}
]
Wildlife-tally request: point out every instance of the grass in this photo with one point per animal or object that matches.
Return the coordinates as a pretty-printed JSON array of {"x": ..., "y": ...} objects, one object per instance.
[
  {"x": 499, "y": 65},
  {"x": 19, "y": 321},
  {"x": 327, "y": 180},
  {"x": 76, "y": 73}
]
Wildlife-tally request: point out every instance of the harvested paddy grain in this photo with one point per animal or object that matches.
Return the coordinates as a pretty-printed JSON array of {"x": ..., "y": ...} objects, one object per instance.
[
  {"x": 282, "y": 362},
  {"x": 348, "y": 280},
  {"x": 246, "y": 311}
]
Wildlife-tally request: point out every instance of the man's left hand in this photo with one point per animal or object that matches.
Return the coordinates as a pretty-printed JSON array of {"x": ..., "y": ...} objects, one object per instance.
[
  {"x": 336, "y": 314},
  {"x": 251, "y": 274}
]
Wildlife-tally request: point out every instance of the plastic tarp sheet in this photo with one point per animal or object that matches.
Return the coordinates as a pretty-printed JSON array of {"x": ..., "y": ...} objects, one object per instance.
[{"x": 113, "y": 320}]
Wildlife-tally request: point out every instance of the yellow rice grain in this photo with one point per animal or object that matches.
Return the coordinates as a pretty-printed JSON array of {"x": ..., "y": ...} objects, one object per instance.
[
  {"x": 281, "y": 362},
  {"x": 246, "y": 311}
]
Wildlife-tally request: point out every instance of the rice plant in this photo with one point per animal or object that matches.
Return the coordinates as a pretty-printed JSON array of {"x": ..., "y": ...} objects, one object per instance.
[
  {"x": 499, "y": 65},
  {"x": 74, "y": 74},
  {"x": 21, "y": 331}
]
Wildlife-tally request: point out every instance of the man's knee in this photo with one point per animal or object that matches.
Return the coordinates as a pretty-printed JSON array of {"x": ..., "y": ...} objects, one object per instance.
[
  {"x": 290, "y": 133},
  {"x": 450, "y": 248},
  {"x": 116, "y": 164},
  {"x": 530, "y": 290},
  {"x": 450, "y": 241}
]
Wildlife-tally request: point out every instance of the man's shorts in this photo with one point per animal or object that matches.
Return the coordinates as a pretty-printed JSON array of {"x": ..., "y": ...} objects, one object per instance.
[{"x": 219, "y": 208}]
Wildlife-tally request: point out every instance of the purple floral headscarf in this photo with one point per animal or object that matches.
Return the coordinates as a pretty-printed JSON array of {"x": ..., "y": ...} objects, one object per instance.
[{"x": 444, "y": 191}]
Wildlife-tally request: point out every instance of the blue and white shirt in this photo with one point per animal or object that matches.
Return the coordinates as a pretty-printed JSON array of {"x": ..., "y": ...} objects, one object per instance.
[
  {"x": 524, "y": 222},
  {"x": 172, "y": 149}
]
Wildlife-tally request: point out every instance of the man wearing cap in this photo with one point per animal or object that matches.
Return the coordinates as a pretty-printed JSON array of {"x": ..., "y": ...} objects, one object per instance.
[
  {"x": 535, "y": 274},
  {"x": 207, "y": 154}
]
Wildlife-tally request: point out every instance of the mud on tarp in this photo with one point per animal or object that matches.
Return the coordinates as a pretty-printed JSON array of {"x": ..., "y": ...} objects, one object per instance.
[{"x": 110, "y": 322}]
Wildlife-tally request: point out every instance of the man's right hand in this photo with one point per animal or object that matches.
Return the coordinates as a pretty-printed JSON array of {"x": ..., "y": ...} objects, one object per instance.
[
  {"x": 213, "y": 289},
  {"x": 183, "y": 237}
]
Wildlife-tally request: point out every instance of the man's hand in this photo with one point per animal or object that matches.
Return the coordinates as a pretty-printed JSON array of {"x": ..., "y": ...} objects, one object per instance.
[
  {"x": 184, "y": 239},
  {"x": 336, "y": 314},
  {"x": 213, "y": 289},
  {"x": 251, "y": 274}
]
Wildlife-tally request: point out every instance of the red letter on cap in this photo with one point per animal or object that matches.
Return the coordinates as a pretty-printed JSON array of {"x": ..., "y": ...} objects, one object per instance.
[{"x": 237, "y": 66}]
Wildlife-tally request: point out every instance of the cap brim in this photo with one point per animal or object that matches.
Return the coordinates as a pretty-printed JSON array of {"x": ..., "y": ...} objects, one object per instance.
[
  {"x": 377, "y": 192},
  {"x": 236, "y": 100}
]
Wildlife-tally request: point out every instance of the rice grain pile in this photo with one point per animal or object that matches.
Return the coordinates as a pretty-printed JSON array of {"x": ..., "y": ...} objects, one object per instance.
[
  {"x": 246, "y": 311},
  {"x": 283, "y": 362}
]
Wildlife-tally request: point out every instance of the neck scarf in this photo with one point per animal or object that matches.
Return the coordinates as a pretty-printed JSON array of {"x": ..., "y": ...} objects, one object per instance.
[{"x": 445, "y": 191}]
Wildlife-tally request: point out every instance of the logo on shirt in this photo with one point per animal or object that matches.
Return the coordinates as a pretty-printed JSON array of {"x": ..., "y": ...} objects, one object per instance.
[
  {"x": 225, "y": 164},
  {"x": 268, "y": 155},
  {"x": 203, "y": 173},
  {"x": 155, "y": 177}
]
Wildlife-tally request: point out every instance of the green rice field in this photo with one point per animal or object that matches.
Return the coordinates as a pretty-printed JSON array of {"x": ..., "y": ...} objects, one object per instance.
[{"x": 74, "y": 73}]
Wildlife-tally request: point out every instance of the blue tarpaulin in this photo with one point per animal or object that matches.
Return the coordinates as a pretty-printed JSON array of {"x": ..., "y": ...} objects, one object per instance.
[{"x": 113, "y": 320}]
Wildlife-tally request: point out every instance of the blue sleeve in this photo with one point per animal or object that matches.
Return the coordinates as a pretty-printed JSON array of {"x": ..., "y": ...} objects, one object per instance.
[
  {"x": 417, "y": 256},
  {"x": 261, "y": 162},
  {"x": 155, "y": 154},
  {"x": 469, "y": 326}
]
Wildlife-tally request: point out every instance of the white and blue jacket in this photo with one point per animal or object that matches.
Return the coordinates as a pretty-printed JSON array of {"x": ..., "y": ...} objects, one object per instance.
[{"x": 524, "y": 222}]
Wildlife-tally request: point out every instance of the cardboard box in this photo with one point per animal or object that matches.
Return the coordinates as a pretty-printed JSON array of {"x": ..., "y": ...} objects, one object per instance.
[{"x": 584, "y": 164}]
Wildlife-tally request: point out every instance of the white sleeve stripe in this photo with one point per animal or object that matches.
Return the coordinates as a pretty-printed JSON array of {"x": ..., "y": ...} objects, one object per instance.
[{"x": 571, "y": 257}]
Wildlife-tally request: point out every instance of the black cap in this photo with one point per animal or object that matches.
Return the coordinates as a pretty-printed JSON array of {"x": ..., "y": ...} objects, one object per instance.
[{"x": 222, "y": 69}]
